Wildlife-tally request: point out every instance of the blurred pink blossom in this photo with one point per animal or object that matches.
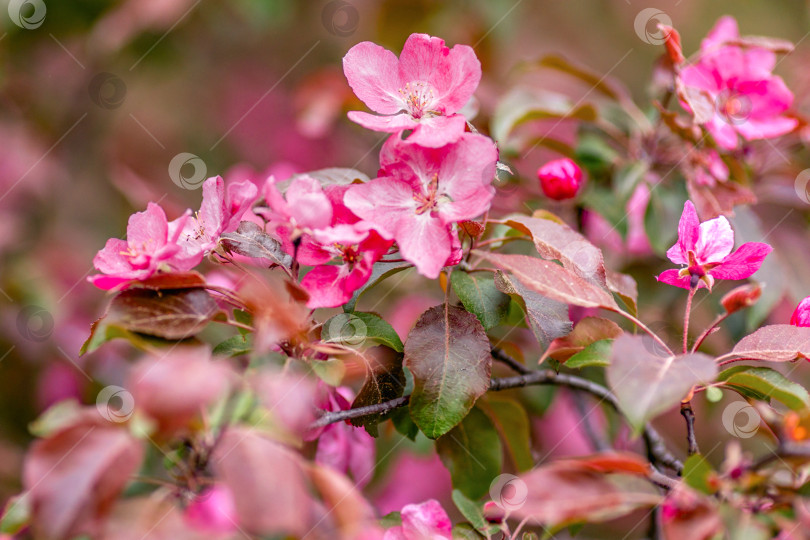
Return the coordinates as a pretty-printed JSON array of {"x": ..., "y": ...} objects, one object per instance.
[
  {"x": 749, "y": 99},
  {"x": 422, "y": 521},
  {"x": 214, "y": 511}
]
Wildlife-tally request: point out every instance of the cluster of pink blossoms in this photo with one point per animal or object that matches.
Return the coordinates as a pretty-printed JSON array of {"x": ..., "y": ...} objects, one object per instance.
[{"x": 433, "y": 175}]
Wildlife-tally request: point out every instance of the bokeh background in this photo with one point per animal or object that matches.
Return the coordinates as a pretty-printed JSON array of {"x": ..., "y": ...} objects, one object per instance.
[{"x": 98, "y": 97}]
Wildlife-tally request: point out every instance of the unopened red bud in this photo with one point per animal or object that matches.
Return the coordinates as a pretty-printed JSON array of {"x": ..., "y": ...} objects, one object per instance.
[
  {"x": 672, "y": 44},
  {"x": 560, "y": 179},
  {"x": 741, "y": 297},
  {"x": 493, "y": 513},
  {"x": 472, "y": 228},
  {"x": 801, "y": 317}
]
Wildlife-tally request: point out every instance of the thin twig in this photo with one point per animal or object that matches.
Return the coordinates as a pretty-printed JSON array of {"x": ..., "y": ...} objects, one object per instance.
[
  {"x": 644, "y": 327},
  {"x": 499, "y": 355},
  {"x": 689, "y": 415},
  {"x": 706, "y": 333},
  {"x": 598, "y": 443}
]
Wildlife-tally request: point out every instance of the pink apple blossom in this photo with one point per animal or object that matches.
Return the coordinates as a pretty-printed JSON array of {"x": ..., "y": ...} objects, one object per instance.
[
  {"x": 422, "y": 90},
  {"x": 214, "y": 511},
  {"x": 749, "y": 99},
  {"x": 301, "y": 209},
  {"x": 705, "y": 250},
  {"x": 707, "y": 167},
  {"x": 220, "y": 212},
  {"x": 801, "y": 317},
  {"x": 151, "y": 245},
  {"x": 560, "y": 179},
  {"x": 343, "y": 447},
  {"x": 351, "y": 243},
  {"x": 422, "y": 192},
  {"x": 421, "y": 521}
]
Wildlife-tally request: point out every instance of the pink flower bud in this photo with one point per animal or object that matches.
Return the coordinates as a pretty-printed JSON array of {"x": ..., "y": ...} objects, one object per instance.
[
  {"x": 801, "y": 317},
  {"x": 214, "y": 511},
  {"x": 560, "y": 179},
  {"x": 493, "y": 513}
]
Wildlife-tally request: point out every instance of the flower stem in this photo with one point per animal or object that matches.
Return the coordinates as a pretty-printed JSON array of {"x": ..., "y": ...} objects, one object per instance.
[
  {"x": 686, "y": 315},
  {"x": 708, "y": 331},
  {"x": 644, "y": 327}
]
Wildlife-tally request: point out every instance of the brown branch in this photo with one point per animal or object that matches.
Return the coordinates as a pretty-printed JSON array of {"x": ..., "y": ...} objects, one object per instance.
[
  {"x": 656, "y": 447},
  {"x": 689, "y": 415}
]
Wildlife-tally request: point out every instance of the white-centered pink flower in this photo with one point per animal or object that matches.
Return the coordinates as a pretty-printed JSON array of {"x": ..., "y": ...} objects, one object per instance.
[
  {"x": 705, "y": 251},
  {"x": 422, "y": 192},
  {"x": 421, "y": 90}
]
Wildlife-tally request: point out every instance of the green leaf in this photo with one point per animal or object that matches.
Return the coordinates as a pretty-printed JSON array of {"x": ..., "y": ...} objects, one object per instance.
[
  {"x": 768, "y": 383},
  {"x": 465, "y": 531},
  {"x": 473, "y": 512},
  {"x": 385, "y": 381},
  {"x": 595, "y": 354},
  {"x": 391, "y": 519},
  {"x": 480, "y": 297},
  {"x": 403, "y": 423},
  {"x": 16, "y": 514},
  {"x": 512, "y": 423},
  {"x": 359, "y": 328},
  {"x": 380, "y": 272},
  {"x": 647, "y": 383},
  {"x": 697, "y": 473},
  {"x": 522, "y": 105},
  {"x": 234, "y": 346},
  {"x": 330, "y": 371},
  {"x": 471, "y": 451},
  {"x": 448, "y": 353}
]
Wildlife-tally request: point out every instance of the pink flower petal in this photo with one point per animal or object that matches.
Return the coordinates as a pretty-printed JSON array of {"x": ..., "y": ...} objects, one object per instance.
[
  {"x": 743, "y": 262},
  {"x": 672, "y": 277},
  {"x": 716, "y": 240},
  {"x": 426, "y": 520},
  {"x": 383, "y": 202},
  {"x": 372, "y": 72},
  {"x": 424, "y": 241},
  {"x": 688, "y": 235},
  {"x": 388, "y": 124},
  {"x": 438, "y": 131}
]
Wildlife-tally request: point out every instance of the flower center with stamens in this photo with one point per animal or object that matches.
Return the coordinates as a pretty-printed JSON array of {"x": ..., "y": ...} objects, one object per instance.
[
  {"x": 428, "y": 201},
  {"x": 418, "y": 97}
]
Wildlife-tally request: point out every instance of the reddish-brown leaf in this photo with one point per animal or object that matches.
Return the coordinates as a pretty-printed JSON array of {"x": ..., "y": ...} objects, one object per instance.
[
  {"x": 558, "y": 241},
  {"x": 775, "y": 343},
  {"x": 552, "y": 280},
  {"x": 563, "y": 493},
  {"x": 184, "y": 280},
  {"x": 587, "y": 330},
  {"x": 75, "y": 475},
  {"x": 170, "y": 314}
]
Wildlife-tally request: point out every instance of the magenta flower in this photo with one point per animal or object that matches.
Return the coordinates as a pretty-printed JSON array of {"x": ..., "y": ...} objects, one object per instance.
[
  {"x": 705, "y": 249},
  {"x": 749, "y": 99},
  {"x": 422, "y": 90},
  {"x": 801, "y": 317},
  {"x": 560, "y": 179},
  {"x": 349, "y": 242},
  {"x": 422, "y": 192},
  {"x": 213, "y": 512},
  {"x": 220, "y": 212},
  {"x": 151, "y": 245},
  {"x": 420, "y": 521}
]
